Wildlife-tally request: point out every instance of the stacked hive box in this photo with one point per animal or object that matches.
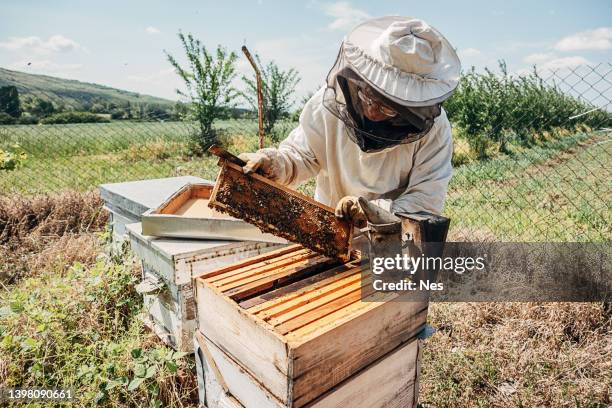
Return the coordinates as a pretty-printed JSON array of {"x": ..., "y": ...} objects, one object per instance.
[
  {"x": 168, "y": 265},
  {"x": 292, "y": 328}
]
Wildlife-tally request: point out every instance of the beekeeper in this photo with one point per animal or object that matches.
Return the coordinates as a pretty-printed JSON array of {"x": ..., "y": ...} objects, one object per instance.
[{"x": 377, "y": 129}]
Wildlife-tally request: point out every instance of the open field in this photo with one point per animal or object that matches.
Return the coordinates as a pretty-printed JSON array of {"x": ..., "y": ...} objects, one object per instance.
[
  {"x": 557, "y": 190},
  {"x": 82, "y": 156}
]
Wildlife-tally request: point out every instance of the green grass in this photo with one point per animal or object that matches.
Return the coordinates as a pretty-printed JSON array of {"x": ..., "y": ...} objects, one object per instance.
[{"x": 556, "y": 190}]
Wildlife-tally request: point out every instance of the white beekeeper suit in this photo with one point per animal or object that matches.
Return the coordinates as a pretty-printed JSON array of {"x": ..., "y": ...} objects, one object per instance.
[{"x": 414, "y": 68}]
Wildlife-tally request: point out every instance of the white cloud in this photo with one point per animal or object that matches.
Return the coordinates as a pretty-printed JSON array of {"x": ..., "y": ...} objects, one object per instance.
[
  {"x": 152, "y": 30},
  {"x": 55, "y": 43},
  {"x": 469, "y": 53},
  {"x": 599, "y": 39},
  {"x": 345, "y": 15},
  {"x": 539, "y": 58},
  {"x": 551, "y": 62}
]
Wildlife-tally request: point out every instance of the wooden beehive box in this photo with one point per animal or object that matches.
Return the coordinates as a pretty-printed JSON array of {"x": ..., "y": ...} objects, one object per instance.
[
  {"x": 169, "y": 309},
  {"x": 301, "y": 323},
  {"x": 186, "y": 214},
  {"x": 389, "y": 382}
]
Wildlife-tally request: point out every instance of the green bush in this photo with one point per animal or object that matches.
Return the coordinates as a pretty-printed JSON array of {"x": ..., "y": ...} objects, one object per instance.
[
  {"x": 73, "y": 117},
  {"x": 27, "y": 119},
  {"x": 6, "y": 119},
  {"x": 496, "y": 109},
  {"x": 12, "y": 158}
]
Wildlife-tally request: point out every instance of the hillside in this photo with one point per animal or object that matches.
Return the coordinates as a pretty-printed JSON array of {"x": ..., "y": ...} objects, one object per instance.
[{"x": 72, "y": 93}]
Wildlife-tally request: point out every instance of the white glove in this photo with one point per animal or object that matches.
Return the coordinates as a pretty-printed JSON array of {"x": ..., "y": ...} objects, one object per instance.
[
  {"x": 348, "y": 208},
  {"x": 257, "y": 162}
]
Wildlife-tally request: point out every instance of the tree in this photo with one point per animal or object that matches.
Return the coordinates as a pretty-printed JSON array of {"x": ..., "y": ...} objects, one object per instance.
[
  {"x": 42, "y": 108},
  {"x": 278, "y": 87},
  {"x": 295, "y": 116},
  {"x": 9, "y": 101},
  {"x": 208, "y": 79}
]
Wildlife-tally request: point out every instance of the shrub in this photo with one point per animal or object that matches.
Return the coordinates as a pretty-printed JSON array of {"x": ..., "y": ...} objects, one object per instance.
[
  {"x": 6, "y": 119},
  {"x": 495, "y": 109},
  {"x": 12, "y": 158},
  {"x": 73, "y": 117},
  {"x": 27, "y": 119},
  {"x": 208, "y": 77}
]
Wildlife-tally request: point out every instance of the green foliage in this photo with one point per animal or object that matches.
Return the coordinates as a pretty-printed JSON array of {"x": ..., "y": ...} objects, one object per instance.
[
  {"x": 278, "y": 87},
  {"x": 73, "y": 117},
  {"x": 9, "y": 101},
  {"x": 208, "y": 79},
  {"x": 6, "y": 119},
  {"x": 78, "y": 329},
  {"x": 42, "y": 108},
  {"x": 12, "y": 158},
  {"x": 27, "y": 119},
  {"x": 495, "y": 109}
]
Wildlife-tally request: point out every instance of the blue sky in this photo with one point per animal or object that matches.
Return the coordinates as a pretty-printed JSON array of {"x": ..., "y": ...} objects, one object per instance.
[{"x": 121, "y": 43}]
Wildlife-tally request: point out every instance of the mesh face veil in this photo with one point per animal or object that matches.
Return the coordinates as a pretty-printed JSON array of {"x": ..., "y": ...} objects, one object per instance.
[{"x": 342, "y": 99}]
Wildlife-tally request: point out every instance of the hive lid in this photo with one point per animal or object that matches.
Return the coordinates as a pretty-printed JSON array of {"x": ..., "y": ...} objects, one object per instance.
[
  {"x": 186, "y": 214},
  {"x": 136, "y": 197}
]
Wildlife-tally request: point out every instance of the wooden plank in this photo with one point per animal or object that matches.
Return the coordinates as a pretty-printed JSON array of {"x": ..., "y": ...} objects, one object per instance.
[
  {"x": 294, "y": 289},
  {"x": 316, "y": 300},
  {"x": 250, "y": 261},
  {"x": 387, "y": 383},
  {"x": 246, "y": 338},
  {"x": 290, "y": 302},
  {"x": 240, "y": 381},
  {"x": 281, "y": 211},
  {"x": 388, "y": 325},
  {"x": 263, "y": 280},
  {"x": 326, "y": 306},
  {"x": 261, "y": 267},
  {"x": 282, "y": 277}
]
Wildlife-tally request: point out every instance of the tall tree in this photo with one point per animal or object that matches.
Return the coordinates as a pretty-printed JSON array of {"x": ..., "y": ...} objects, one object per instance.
[
  {"x": 9, "y": 101},
  {"x": 208, "y": 78},
  {"x": 278, "y": 89}
]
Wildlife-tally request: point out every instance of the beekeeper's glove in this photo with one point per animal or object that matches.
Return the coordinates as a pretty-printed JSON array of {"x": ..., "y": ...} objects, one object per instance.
[
  {"x": 258, "y": 162},
  {"x": 348, "y": 208}
]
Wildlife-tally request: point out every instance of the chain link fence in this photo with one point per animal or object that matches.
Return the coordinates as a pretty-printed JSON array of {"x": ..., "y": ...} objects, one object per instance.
[{"x": 531, "y": 162}]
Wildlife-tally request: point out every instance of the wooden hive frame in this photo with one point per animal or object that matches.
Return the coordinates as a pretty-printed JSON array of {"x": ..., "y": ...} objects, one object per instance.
[
  {"x": 299, "y": 322},
  {"x": 279, "y": 210}
]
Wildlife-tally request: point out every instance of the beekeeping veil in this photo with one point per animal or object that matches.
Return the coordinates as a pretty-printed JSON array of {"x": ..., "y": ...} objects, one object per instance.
[{"x": 405, "y": 64}]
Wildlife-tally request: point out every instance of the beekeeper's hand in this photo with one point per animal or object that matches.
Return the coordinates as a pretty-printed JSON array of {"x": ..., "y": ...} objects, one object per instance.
[
  {"x": 348, "y": 208},
  {"x": 257, "y": 162}
]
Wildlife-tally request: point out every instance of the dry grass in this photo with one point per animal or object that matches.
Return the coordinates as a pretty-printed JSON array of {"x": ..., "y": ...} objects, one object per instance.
[
  {"x": 518, "y": 354},
  {"x": 38, "y": 232}
]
